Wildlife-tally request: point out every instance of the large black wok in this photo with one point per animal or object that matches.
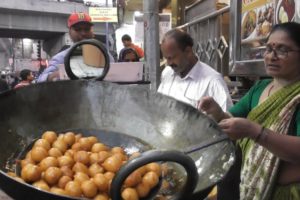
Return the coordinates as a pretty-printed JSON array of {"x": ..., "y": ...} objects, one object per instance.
[{"x": 151, "y": 121}]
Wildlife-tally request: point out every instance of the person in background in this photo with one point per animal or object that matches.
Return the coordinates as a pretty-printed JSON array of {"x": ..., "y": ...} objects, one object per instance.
[
  {"x": 3, "y": 84},
  {"x": 265, "y": 123},
  {"x": 127, "y": 42},
  {"x": 128, "y": 55},
  {"x": 187, "y": 79},
  {"x": 26, "y": 78},
  {"x": 80, "y": 27}
]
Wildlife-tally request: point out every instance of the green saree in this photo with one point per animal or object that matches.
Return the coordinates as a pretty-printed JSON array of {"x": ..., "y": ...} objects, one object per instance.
[{"x": 260, "y": 167}]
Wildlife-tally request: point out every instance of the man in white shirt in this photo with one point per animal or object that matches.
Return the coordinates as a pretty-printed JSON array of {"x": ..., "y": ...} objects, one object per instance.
[{"x": 186, "y": 78}]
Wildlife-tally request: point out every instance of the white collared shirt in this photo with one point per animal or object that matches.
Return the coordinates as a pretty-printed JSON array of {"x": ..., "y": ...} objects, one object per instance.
[{"x": 202, "y": 80}]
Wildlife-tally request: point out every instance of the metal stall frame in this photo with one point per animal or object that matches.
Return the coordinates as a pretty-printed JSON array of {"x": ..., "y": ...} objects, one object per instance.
[{"x": 210, "y": 48}]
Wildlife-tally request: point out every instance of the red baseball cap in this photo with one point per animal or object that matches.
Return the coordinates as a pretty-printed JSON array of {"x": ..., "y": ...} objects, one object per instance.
[{"x": 79, "y": 17}]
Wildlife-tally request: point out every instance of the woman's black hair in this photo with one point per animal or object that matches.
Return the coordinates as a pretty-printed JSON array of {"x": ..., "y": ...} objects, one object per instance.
[
  {"x": 125, "y": 51},
  {"x": 291, "y": 28}
]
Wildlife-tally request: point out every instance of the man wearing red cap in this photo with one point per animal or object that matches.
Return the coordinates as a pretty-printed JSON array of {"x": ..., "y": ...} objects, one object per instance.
[{"x": 80, "y": 27}]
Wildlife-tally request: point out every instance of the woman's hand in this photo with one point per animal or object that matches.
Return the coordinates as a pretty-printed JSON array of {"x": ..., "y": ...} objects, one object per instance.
[
  {"x": 210, "y": 107},
  {"x": 237, "y": 128}
]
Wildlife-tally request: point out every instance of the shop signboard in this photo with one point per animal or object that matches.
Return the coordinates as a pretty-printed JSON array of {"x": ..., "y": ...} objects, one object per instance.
[{"x": 103, "y": 14}]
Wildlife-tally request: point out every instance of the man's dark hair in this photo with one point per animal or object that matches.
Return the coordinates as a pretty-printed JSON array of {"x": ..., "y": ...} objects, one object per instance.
[
  {"x": 24, "y": 73},
  {"x": 126, "y": 37},
  {"x": 182, "y": 38}
]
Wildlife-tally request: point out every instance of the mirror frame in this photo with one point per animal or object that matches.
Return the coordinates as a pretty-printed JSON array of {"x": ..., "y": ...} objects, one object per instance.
[{"x": 94, "y": 42}]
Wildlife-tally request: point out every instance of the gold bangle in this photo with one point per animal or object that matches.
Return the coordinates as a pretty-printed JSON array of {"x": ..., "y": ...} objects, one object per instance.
[{"x": 261, "y": 133}]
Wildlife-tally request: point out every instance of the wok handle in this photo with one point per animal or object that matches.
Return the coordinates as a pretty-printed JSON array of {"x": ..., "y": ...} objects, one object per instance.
[{"x": 155, "y": 156}]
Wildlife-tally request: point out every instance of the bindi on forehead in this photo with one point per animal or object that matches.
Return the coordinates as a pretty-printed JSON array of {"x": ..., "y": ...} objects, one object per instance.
[{"x": 275, "y": 44}]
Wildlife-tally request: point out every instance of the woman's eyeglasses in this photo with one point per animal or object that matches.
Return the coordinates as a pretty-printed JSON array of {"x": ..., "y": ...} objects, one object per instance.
[{"x": 280, "y": 52}]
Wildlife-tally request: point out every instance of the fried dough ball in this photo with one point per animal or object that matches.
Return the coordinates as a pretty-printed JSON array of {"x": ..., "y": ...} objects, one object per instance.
[
  {"x": 70, "y": 153},
  {"x": 26, "y": 161},
  {"x": 117, "y": 150},
  {"x": 80, "y": 177},
  {"x": 154, "y": 167},
  {"x": 73, "y": 189},
  {"x": 58, "y": 191},
  {"x": 19, "y": 179},
  {"x": 130, "y": 194},
  {"x": 97, "y": 147},
  {"x": 31, "y": 173},
  {"x": 82, "y": 157},
  {"x": 77, "y": 137},
  {"x": 67, "y": 171},
  {"x": 133, "y": 179},
  {"x": 42, "y": 143},
  {"x": 69, "y": 138},
  {"x": 60, "y": 136},
  {"x": 109, "y": 175},
  {"x": 55, "y": 152},
  {"x": 103, "y": 155},
  {"x": 89, "y": 188},
  {"x": 101, "y": 197},
  {"x": 38, "y": 154},
  {"x": 101, "y": 182},
  {"x": 142, "y": 189},
  {"x": 48, "y": 162},
  {"x": 85, "y": 144},
  {"x": 142, "y": 170},
  {"x": 93, "y": 140},
  {"x": 61, "y": 145},
  {"x": 41, "y": 184},
  {"x": 50, "y": 136},
  {"x": 151, "y": 179},
  {"x": 112, "y": 164},
  {"x": 11, "y": 174},
  {"x": 94, "y": 158},
  {"x": 76, "y": 146},
  {"x": 28, "y": 155},
  {"x": 79, "y": 167},
  {"x": 121, "y": 156},
  {"x": 52, "y": 175},
  {"x": 65, "y": 161},
  {"x": 63, "y": 181},
  {"x": 95, "y": 169}
]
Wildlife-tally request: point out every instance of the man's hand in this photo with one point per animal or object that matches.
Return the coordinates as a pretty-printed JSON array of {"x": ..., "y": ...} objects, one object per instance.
[{"x": 53, "y": 76}]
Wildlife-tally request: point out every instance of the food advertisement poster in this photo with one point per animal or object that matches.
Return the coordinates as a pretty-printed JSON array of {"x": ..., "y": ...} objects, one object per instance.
[
  {"x": 258, "y": 16},
  {"x": 287, "y": 10}
]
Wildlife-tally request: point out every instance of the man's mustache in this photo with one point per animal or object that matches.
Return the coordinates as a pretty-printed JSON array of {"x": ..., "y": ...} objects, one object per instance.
[{"x": 173, "y": 65}]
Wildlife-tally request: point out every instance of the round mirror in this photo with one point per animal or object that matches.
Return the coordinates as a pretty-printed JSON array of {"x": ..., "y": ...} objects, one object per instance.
[{"x": 87, "y": 59}]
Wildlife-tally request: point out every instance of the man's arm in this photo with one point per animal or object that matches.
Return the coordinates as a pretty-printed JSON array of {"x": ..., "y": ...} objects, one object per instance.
[
  {"x": 219, "y": 91},
  {"x": 51, "y": 72}
]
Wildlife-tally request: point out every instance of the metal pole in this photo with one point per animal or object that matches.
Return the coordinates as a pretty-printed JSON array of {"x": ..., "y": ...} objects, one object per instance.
[
  {"x": 106, "y": 31},
  {"x": 151, "y": 40}
]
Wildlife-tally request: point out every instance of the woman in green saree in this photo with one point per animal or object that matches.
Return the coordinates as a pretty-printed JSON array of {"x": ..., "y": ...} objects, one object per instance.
[{"x": 266, "y": 122}]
